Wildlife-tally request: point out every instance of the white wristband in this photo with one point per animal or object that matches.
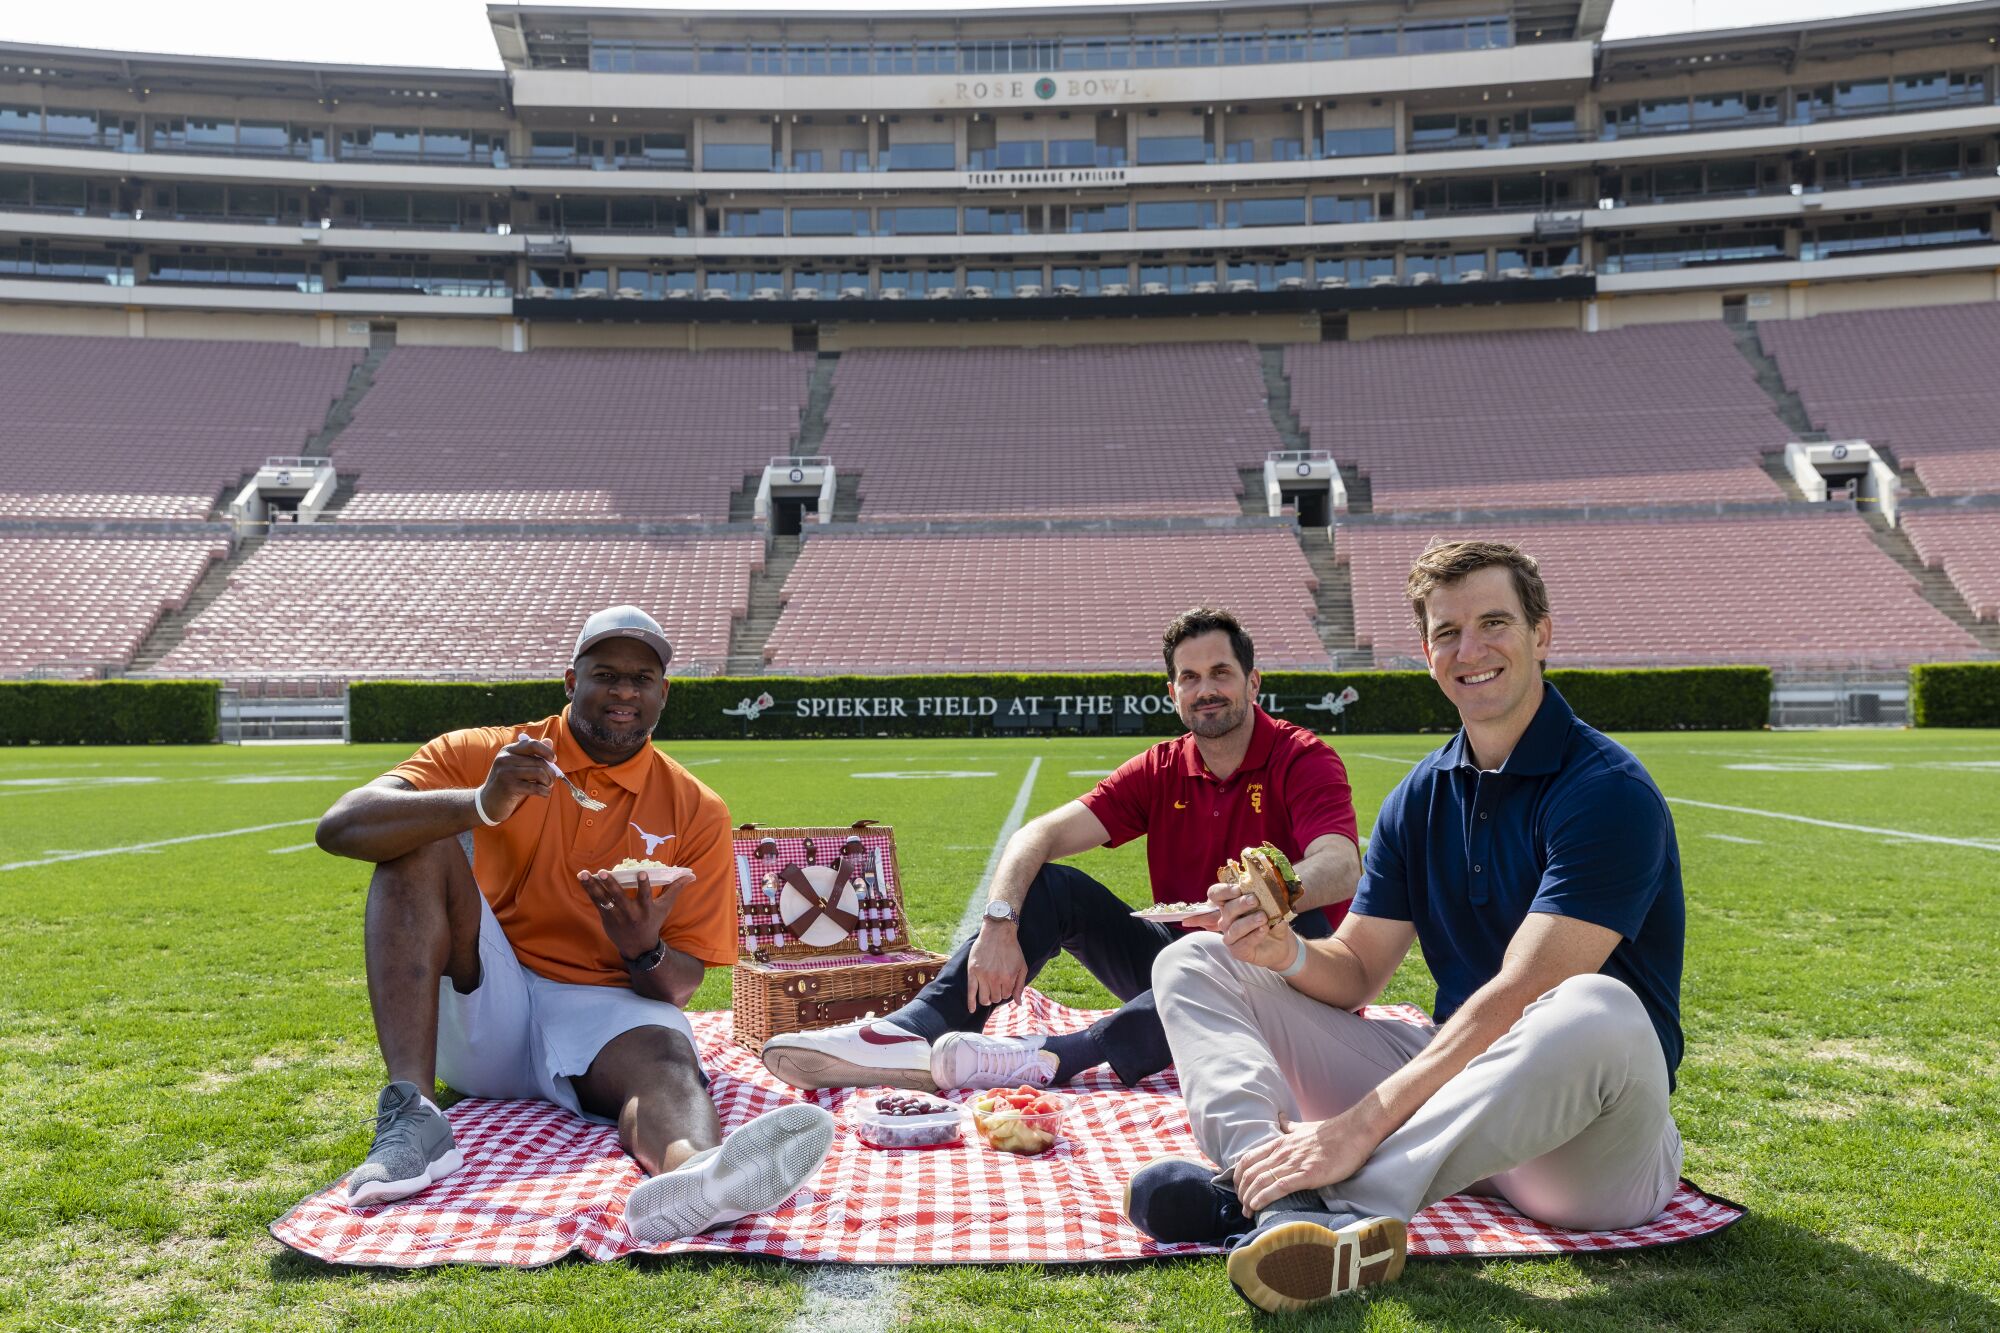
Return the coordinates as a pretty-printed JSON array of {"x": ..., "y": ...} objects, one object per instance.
[
  {"x": 479, "y": 807},
  {"x": 1298, "y": 963}
]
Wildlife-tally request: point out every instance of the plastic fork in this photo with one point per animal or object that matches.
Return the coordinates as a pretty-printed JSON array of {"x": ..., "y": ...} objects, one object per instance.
[{"x": 574, "y": 790}]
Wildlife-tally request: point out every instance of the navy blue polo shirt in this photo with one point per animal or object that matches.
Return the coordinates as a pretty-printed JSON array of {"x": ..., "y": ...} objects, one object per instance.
[{"x": 1570, "y": 824}]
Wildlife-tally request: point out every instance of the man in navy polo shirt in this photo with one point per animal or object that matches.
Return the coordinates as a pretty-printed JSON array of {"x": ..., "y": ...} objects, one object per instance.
[
  {"x": 1238, "y": 778},
  {"x": 1534, "y": 860}
]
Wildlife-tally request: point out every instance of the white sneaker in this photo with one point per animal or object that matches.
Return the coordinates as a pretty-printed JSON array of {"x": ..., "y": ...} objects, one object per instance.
[
  {"x": 975, "y": 1060},
  {"x": 757, "y": 1168},
  {"x": 854, "y": 1055}
]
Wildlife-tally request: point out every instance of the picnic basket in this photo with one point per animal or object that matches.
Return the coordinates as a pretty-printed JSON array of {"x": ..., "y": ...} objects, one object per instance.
[{"x": 822, "y": 936}]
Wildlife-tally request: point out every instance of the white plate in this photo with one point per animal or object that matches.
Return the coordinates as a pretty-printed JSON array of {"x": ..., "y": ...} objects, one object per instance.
[
  {"x": 1176, "y": 912},
  {"x": 657, "y": 878}
]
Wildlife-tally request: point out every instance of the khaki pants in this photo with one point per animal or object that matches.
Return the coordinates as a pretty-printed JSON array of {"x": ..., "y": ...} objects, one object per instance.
[{"x": 1565, "y": 1116}]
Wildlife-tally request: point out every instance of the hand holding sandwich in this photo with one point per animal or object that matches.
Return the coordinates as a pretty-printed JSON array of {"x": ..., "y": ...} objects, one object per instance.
[{"x": 1256, "y": 896}]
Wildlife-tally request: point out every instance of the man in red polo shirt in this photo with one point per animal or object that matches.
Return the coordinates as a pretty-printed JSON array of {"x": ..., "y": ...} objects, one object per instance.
[{"x": 1238, "y": 778}]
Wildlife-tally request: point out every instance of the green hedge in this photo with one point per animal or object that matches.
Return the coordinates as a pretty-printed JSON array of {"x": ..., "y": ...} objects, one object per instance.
[
  {"x": 1694, "y": 698},
  {"x": 108, "y": 712},
  {"x": 1955, "y": 694}
]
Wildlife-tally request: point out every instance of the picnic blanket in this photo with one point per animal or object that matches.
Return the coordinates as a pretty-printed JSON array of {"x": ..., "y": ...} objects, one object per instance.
[{"x": 539, "y": 1183}]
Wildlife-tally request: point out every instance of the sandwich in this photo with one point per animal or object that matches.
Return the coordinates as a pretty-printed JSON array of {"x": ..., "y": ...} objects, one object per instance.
[{"x": 1266, "y": 875}]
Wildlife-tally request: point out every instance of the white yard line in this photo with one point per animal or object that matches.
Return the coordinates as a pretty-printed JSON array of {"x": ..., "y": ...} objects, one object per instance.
[
  {"x": 845, "y": 1298},
  {"x": 286, "y": 851},
  {"x": 842, "y": 1298},
  {"x": 1849, "y": 828},
  {"x": 968, "y": 922},
  {"x": 149, "y": 846},
  {"x": 1730, "y": 837},
  {"x": 1385, "y": 758}
]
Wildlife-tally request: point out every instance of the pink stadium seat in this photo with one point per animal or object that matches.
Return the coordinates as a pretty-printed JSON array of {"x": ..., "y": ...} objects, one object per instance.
[
  {"x": 1062, "y": 600},
  {"x": 74, "y": 604},
  {"x": 1919, "y": 382},
  {"x": 1802, "y": 590},
  {"x": 1153, "y": 430},
  {"x": 1966, "y": 543},
  {"x": 151, "y": 429},
  {"x": 1660, "y": 414},
  {"x": 451, "y": 434},
  {"x": 367, "y": 605}
]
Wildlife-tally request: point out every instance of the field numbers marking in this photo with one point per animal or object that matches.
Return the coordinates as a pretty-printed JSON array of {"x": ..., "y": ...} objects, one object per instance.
[
  {"x": 1849, "y": 828},
  {"x": 149, "y": 846},
  {"x": 968, "y": 921}
]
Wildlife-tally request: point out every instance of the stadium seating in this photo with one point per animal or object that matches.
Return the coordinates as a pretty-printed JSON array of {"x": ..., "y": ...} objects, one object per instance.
[
  {"x": 1966, "y": 543},
  {"x": 1919, "y": 382},
  {"x": 371, "y": 605},
  {"x": 1661, "y": 414},
  {"x": 1058, "y": 600},
  {"x": 1153, "y": 430},
  {"x": 632, "y": 435},
  {"x": 1806, "y": 589},
  {"x": 151, "y": 429},
  {"x": 74, "y": 604}
]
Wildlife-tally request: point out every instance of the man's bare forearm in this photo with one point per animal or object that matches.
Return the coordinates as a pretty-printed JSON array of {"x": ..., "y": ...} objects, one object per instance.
[
  {"x": 675, "y": 980},
  {"x": 1021, "y": 860},
  {"x": 1333, "y": 975},
  {"x": 1329, "y": 875},
  {"x": 381, "y": 823}
]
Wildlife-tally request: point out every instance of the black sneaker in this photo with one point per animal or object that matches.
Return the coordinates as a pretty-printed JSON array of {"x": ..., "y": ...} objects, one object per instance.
[
  {"x": 1176, "y": 1200},
  {"x": 413, "y": 1149}
]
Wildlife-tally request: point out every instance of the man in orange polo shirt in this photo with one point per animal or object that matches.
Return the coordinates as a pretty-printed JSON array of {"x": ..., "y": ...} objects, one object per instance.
[{"x": 504, "y": 956}]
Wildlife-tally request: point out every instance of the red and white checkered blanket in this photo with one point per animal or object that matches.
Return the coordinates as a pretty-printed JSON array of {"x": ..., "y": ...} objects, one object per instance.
[{"x": 539, "y": 1182}]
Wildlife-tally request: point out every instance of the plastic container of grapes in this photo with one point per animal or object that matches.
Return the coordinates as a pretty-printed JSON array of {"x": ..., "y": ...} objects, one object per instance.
[{"x": 879, "y": 1127}]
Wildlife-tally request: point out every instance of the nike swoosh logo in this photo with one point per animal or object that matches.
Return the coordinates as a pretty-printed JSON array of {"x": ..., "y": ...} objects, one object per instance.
[
  {"x": 874, "y": 1038},
  {"x": 1180, "y": 805}
]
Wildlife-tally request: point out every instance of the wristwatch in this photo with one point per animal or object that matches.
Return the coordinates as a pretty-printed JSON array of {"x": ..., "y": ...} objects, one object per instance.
[
  {"x": 648, "y": 960},
  {"x": 1001, "y": 910}
]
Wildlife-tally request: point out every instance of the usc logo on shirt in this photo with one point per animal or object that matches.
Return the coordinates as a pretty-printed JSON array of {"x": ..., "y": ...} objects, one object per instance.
[{"x": 1256, "y": 790}]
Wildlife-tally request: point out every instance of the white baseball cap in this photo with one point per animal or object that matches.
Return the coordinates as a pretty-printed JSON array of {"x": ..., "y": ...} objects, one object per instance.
[{"x": 624, "y": 622}]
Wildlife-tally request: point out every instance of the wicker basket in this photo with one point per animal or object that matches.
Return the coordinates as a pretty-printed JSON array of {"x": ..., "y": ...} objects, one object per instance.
[{"x": 823, "y": 938}]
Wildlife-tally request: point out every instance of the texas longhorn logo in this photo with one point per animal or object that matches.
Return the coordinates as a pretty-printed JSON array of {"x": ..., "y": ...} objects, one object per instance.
[{"x": 652, "y": 840}]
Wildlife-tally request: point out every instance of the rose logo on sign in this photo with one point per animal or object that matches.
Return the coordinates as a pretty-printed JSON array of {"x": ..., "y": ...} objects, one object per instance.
[
  {"x": 749, "y": 709},
  {"x": 1045, "y": 88}
]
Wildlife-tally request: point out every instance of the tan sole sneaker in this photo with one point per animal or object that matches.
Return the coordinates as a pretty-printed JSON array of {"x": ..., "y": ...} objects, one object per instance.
[
  {"x": 817, "y": 1069},
  {"x": 1300, "y": 1264}
]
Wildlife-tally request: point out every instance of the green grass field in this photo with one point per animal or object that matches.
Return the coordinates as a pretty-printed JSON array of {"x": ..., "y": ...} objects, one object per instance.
[{"x": 185, "y": 1048}]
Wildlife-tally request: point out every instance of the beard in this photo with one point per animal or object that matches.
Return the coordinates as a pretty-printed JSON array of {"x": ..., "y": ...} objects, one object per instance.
[
  {"x": 1216, "y": 724},
  {"x": 621, "y": 741}
]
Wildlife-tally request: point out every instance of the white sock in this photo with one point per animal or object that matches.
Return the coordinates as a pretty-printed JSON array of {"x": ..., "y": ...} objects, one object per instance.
[{"x": 428, "y": 1102}]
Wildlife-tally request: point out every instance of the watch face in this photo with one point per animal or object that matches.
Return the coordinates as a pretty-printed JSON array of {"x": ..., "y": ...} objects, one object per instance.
[{"x": 999, "y": 912}]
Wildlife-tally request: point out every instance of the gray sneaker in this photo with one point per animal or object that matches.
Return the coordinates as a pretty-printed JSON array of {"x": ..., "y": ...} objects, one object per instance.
[
  {"x": 413, "y": 1149},
  {"x": 757, "y": 1168}
]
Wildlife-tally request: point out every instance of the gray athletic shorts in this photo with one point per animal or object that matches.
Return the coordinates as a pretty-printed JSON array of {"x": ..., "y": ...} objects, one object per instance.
[{"x": 518, "y": 1034}]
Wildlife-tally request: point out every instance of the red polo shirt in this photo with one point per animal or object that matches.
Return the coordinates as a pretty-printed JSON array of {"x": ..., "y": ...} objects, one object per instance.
[{"x": 1290, "y": 790}]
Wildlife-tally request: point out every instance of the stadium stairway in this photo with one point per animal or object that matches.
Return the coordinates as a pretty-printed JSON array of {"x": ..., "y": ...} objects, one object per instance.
[
  {"x": 1278, "y": 397},
  {"x": 167, "y": 630},
  {"x": 1333, "y": 604},
  {"x": 1791, "y": 409},
  {"x": 1252, "y": 500},
  {"x": 812, "y": 422},
  {"x": 846, "y": 496},
  {"x": 1935, "y": 584},
  {"x": 338, "y": 416},
  {"x": 748, "y": 636},
  {"x": 743, "y": 500}
]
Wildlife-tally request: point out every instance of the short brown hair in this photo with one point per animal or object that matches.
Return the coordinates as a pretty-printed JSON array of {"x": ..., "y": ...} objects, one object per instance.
[
  {"x": 1444, "y": 563},
  {"x": 1200, "y": 620}
]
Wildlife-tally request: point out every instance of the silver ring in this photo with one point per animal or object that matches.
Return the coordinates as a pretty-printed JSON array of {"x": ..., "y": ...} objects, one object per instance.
[{"x": 604, "y": 907}]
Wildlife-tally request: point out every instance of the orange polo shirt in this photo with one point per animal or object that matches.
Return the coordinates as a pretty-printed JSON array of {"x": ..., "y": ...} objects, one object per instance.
[{"x": 528, "y": 863}]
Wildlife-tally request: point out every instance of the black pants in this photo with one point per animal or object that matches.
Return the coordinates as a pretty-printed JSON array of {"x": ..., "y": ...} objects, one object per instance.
[{"x": 1068, "y": 911}]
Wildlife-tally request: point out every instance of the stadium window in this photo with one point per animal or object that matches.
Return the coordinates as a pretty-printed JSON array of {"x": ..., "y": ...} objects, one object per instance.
[
  {"x": 452, "y": 144},
  {"x": 20, "y": 122},
  {"x": 805, "y": 58},
  {"x": 723, "y": 58},
  {"x": 666, "y": 150},
  {"x": 1372, "y": 40},
  {"x": 1169, "y": 150},
  {"x": 895, "y": 58},
  {"x": 808, "y": 159},
  {"x": 942, "y": 156},
  {"x": 829, "y": 222},
  {"x": 387, "y": 140},
  {"x": 1073, "y": 153},
  {"x": 1739, "y": 177},
  {"x": 1932, "y": 159},
  {"x": 1430, "y": 38},
  {"x": 1328, "y": 44},
  {"x": 1177, "y": 215},
  {"x": 753, "y": 222},
  {"x": 736, "y": 157},
  {"x": 16, "y": 190},
  {"x": 996, "y": 221},
  {"x": 1860, "y": 96},
  {"x": 547, "y": 147},
  {"x": 1718, "y": 108},
  {"x": 1264, "y": 213},
  {"x": 434, "y": 210},
  {"x": 917, "y": 221},
  {"x": 1665, "y": 116},
  {"x": 1433, "y": 130},
  {"x": 1239, "y": 150},
  {"x": 1288, "y": 150},
  {"x": 937, "y": 58},
  {"x": 854, "y": 159},
  {"x": 1359, "y": 143},
  {"x": 1334, "y": 208},
  {"x": 1552, "y": 122}
]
